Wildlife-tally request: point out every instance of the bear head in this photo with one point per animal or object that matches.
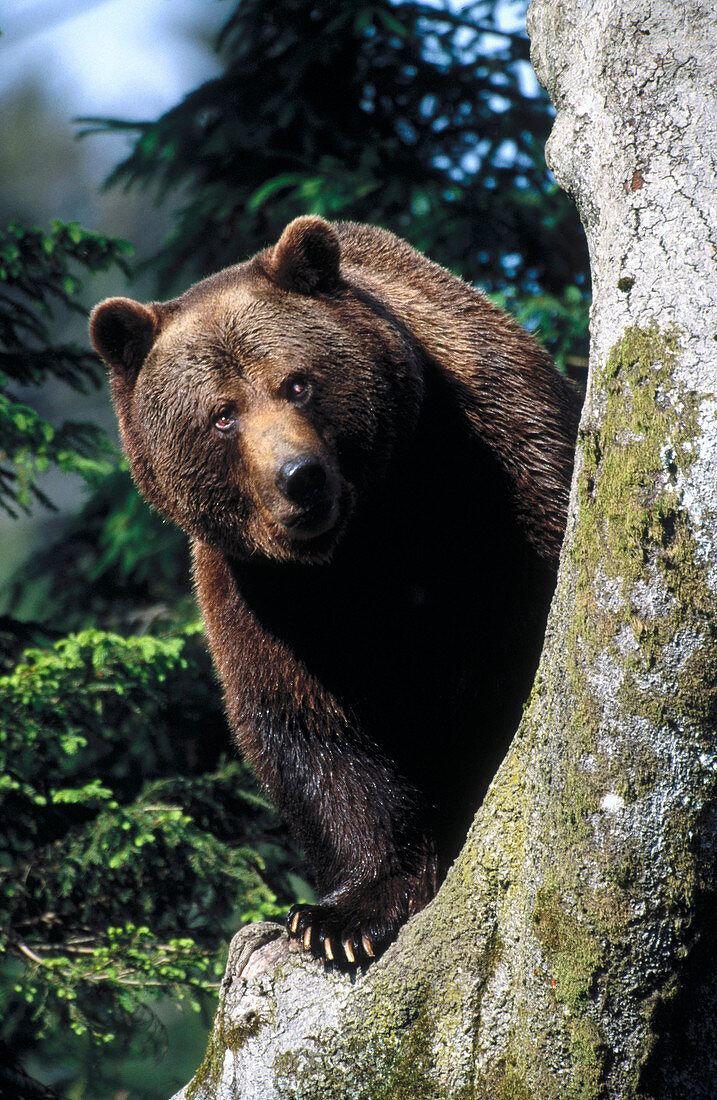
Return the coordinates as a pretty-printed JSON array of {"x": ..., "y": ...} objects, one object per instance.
[{"x": 257, "y": 408}]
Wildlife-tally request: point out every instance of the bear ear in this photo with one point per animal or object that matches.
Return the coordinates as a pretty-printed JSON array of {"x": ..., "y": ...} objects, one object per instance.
[
  {"x": 306, "y": 258},
  {"x": 122, "y": 332}
]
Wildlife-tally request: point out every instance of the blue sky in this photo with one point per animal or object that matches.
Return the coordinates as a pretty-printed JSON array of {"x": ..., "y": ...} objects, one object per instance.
[{"x": 129, "y": 58}]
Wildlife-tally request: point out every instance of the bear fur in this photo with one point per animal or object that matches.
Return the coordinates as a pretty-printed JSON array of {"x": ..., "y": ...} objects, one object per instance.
[{"x": 373, "y": 463}]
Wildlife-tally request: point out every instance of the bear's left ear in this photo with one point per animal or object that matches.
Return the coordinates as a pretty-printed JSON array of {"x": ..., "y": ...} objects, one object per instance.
[
  {"x": 306, "y": 257},
  {"x": 122, "y": 332}
]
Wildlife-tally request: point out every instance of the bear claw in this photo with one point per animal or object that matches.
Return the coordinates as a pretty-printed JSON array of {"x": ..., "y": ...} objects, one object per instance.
[{"x": 318, "y": 929}]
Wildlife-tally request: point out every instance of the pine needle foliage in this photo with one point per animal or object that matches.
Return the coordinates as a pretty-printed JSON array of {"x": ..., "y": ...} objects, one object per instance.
[
  {"x": 123, "y": 862},
  {"x": 40, "y": 275}
]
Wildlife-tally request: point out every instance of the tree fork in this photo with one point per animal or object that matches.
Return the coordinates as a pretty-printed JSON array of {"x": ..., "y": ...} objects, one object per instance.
[{"x": 571, "y": 951}]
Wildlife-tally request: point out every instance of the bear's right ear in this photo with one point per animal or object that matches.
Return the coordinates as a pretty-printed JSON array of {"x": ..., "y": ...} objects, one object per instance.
[
  {"x": 122, "y": 332},
  {"x": 306, "y": 257}
]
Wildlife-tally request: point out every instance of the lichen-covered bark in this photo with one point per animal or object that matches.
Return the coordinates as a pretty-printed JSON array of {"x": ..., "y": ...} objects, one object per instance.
[
  {"x": 572, "y": 951},
  {"x": 635, "y": 142}
]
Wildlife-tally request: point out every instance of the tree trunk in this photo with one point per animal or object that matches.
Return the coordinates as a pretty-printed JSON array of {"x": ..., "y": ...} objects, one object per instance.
[{"x": 571, "y": 951}]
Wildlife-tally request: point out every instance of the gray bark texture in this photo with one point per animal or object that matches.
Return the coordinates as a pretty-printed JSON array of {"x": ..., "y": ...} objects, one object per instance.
[{"x": 572, "y": 951}]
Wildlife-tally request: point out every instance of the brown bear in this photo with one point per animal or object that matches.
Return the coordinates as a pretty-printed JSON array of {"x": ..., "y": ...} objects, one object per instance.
[{"x": 373, "y": 464}]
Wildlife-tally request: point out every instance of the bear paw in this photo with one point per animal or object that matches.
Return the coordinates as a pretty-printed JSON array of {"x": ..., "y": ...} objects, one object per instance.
[
  {"x": 351, "y": 932},
  {"x": 325, "y": 931}
]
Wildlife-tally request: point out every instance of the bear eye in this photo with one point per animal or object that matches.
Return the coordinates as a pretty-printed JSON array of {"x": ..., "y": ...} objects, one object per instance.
[
  {"x": 225, "y": 418},
  {"x": 298, "y": 389}
]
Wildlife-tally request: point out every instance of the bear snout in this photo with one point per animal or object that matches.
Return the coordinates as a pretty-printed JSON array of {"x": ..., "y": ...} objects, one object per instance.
[
  {"x": 302, "y": 480},
  {"x": 307, "y": 483}
]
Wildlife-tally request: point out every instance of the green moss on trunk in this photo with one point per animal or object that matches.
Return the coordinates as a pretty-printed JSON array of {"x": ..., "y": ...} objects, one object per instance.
[{"x": 639, "y": 585}]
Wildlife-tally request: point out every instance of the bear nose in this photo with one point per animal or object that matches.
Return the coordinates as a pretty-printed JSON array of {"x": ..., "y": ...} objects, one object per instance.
[{"x": 302, "y": 479}]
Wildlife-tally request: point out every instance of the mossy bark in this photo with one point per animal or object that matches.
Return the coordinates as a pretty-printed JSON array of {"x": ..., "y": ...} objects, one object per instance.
[{"x": 571, "y": 951}]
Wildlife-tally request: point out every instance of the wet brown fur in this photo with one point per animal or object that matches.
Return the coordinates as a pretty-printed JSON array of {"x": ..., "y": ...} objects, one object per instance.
[{"x": 375, "y": 652}]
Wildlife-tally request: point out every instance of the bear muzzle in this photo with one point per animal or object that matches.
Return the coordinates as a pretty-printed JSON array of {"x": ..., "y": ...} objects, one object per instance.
[
  {"x": 310, "y": 486},
  {"x": 303, "y": 480}
]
